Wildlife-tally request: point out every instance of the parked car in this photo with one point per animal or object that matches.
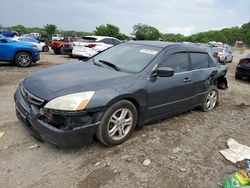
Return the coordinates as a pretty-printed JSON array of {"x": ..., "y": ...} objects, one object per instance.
[
  {"x": 56, "y": 37},
  {"x": 68, "y": 47},
  {"x": 243, "y": 68},
  {"x": 20, "y": 53},
  {"x": 8, "y": 33},
  {"x": 92, "y": 45},
  {"x": 57, "y": 45},
  {"x": 40, "y": 45},
  {"x": 40, "y": 37},
  {"x": 223, "y": 54},
  {"x": 125, "y": 86}
]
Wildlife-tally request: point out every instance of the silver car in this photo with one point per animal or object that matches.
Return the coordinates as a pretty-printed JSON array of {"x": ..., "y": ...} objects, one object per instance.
[{"x": 224, "y": 54}]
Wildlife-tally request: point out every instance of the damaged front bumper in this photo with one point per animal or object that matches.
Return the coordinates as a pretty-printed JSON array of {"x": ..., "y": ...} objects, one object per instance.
[{"x": 63, "y": 129}]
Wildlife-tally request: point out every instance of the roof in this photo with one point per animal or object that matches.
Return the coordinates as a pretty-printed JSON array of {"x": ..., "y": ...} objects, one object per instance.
[
  {"x": 162, "y": 44},
  {"x": 99, "y": 37}
]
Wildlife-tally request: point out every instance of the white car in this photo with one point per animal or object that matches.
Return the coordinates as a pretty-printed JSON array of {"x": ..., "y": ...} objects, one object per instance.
[
  {"x": 224, "y": 54},
  {"x": 92, "y": 45},
  {"x": 40, "y": 45}
]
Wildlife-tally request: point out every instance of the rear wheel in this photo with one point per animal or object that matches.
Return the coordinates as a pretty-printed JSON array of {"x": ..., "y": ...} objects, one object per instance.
[
  {"x": 23, "y": 59},
  {"x": 211, "y": 100},
  {"x": 117, "y": 123}
]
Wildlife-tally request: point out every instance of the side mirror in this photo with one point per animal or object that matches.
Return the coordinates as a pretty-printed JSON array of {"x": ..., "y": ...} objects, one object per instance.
[
  {"x": 164, "y": 72},
  {"x": 3, "y": 40}
]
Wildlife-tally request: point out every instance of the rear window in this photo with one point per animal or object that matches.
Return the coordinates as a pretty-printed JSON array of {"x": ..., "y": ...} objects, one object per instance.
[
  {"x": 199, "y": 60},
  {"x": 217, "y": 49},
  {"x": 89, "y": 39}
]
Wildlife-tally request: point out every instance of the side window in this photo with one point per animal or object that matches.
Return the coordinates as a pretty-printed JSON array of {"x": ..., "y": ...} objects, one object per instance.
[
  {"x": 199, "y": 60},
  {"x": 108, "y": 41},
  {"x": 178, "y": 62}
]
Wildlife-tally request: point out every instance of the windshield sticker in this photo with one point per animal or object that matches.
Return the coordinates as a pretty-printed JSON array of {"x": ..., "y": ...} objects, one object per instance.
[{"x": 152, "y": 52}]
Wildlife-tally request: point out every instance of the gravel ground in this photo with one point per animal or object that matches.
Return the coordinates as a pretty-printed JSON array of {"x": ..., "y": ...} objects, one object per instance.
[{"x": 183, "y": 151}]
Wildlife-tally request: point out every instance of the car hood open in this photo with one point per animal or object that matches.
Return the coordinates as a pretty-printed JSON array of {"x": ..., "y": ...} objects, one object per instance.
[{"x": 71, "y": 78}]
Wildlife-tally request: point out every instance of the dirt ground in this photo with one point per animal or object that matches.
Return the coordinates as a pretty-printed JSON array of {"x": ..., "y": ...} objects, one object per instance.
[{"x": 199, "y": 136}]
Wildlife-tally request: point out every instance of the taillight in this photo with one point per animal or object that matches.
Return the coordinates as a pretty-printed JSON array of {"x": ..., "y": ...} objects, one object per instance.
[
  {"x": 243, "y": 61},
  {"x": 90, "y": 45}
]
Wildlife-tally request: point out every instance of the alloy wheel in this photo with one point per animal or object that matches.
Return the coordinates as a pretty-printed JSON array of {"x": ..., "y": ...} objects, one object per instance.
[
  {"x": 24, "y": 60},
  {"x": 211, "y": 100},
  {"x": 120, "y": 124}
]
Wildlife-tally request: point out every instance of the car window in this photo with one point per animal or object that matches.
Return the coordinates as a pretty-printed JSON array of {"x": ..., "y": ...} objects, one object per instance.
[
  {"x": 108, "y": 41},
  {"x": 199, "y": 60},
  {"x": 178, "y": 62}
]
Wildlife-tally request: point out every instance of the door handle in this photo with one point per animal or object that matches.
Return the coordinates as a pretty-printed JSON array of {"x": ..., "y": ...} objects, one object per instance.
[{"x": 186, "y": 80}]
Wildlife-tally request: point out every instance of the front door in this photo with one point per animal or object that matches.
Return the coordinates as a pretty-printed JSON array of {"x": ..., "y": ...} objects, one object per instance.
[{"x": 168, "y": 95}]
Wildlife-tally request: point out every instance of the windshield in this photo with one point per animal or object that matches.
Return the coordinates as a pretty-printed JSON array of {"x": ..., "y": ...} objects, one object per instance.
[{"x": 128, "y": 57}]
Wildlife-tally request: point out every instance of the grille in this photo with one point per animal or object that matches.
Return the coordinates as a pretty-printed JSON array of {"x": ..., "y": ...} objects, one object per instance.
[{"x": 28, "y": 97}]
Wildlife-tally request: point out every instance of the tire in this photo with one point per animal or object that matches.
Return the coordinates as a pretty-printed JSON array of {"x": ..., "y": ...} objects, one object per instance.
[
  {"x": 45, "y": 49},
  {"x": 238, "y": 77},
  {"x": 213, "y": 97},
  {"x": 23, "y": 59},
  {"x": 113, "y": 129},
  {"x": 61, "y": 50},
  {"x": 56, "y": 51}
]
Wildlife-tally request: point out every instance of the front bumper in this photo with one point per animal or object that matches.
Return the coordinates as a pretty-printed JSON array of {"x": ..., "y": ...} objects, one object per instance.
[
  {"x": 31, "y": 118},
  {"x": 242, "y": 71}
]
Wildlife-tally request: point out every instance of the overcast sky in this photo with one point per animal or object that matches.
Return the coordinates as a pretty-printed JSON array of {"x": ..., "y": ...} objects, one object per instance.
[{"x": 169, "y": 16}]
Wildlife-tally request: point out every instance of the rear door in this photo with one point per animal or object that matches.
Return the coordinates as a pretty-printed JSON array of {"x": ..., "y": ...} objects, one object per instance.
[
  {"x": 168, "y": 95},
  {"x": 203, "y": 72}
]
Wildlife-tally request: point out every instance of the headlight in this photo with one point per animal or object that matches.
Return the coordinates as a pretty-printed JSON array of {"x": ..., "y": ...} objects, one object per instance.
[{"x": 72, "y": 102}]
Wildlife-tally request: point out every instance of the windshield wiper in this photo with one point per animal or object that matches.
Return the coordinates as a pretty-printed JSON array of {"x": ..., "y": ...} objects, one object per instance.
[{"x": 109, "y": 64}]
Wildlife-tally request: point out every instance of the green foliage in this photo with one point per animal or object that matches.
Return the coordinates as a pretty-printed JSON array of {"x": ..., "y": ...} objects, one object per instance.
[
  {"x": 110, "y": 30},
  {"x": 145, "y": 32},
  {"x": 50, "y": 29}
]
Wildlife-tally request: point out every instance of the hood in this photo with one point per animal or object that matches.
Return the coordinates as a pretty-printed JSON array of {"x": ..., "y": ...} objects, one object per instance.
[{"x": 72, "y": 78}]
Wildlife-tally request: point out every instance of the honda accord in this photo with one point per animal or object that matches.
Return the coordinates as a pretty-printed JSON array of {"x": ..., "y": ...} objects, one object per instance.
[{"x": 107, "y": 96}]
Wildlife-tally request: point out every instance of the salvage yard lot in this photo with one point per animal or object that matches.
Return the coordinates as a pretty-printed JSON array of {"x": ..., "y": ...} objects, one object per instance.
[{"x": 199, "y": 136}]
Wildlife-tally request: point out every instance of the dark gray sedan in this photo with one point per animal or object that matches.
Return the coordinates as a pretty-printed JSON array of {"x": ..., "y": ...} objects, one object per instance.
[{"x": 107, "y": 96}]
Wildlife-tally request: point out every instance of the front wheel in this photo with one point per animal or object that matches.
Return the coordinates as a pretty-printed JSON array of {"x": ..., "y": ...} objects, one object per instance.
[
  {"x": 23, "y": 59},
  {"x": 211, "y": 99},
  {"x": 117, "y": 123}
]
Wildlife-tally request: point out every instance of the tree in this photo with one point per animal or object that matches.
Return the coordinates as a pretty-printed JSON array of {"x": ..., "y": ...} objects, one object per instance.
[
  {"x": 145, "y": 32},
  {"x": 111, "y": 31},
  {"x": 50, "y": 29},
  {"x": 20, "y": 29},
  {"x": 107, "y": 30}
]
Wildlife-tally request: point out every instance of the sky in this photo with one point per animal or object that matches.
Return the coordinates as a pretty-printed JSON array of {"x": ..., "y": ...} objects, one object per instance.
[{"x": 169, "y": 16}]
